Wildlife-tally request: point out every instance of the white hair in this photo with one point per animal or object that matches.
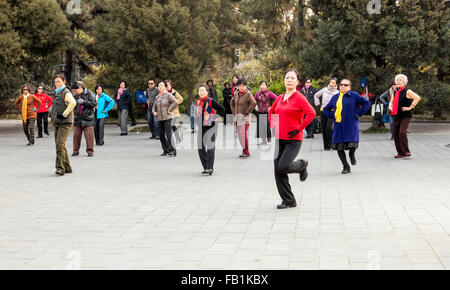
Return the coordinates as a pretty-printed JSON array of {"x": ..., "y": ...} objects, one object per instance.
[{"x": 405, "y": 78}]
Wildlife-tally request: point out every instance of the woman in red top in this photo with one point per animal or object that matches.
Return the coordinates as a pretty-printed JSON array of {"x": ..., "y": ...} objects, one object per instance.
[
  {"x": 42, "y": 113},
  {"x": 289, "y": 115}
]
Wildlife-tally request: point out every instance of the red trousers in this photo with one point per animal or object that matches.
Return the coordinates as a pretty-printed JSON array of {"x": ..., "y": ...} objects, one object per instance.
[{"x": 243, "y": 138}]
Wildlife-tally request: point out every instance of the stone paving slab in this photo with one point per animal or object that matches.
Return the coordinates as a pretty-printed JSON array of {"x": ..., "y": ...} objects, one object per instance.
[{"x": 129, "y": 208}]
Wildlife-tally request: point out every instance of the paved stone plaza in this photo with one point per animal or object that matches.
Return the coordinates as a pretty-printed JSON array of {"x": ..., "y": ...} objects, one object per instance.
[{"x": 129, "y": 208}]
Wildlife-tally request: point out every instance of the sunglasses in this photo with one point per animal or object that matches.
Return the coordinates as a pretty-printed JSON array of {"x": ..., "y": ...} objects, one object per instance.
[{"x": 344, "y": 85}]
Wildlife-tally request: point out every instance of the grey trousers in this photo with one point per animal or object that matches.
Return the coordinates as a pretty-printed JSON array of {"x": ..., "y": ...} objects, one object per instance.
[{"x": 123, "y": 116}]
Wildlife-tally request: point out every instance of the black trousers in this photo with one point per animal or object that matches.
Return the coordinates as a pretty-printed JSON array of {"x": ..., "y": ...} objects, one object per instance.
[
  {"x": 285, "y": 153},
  {"x": 99, "y": 131},
  {"x": 131, "y": 114},
  {"x": 207, "y": 146},
  {"x": 327, "y": 130},
  {"x": 42, "y": 117},
  {"x": 165, "y": 136},
  {"x": 310, "y": 128}
]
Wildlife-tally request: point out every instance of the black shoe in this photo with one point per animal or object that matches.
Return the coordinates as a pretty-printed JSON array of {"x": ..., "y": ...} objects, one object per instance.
[
  {"x": 59, "y": 172},
  {"x": 327, "y": 149},
  {"x": 90, "y": 154},
  {"x": 46, "y": 133},
  {"x": 29, "y": 143},
  {"x": 133, "y": 124},
  {"x": 172, "y": 153},
  {"x": 205, "y": 171},
  {"x": 98, "y": 144},
  {"x": 75, "y": 154},
  {"x": 284, "y": 206},
  {"x": 304, "y": 171},
  {"x": 244, "y": 156},
  {"x": 164, "y": 154},
  {"x": 39, "y": 136},
  {"x": 209, "y": 171},
  {"x": 123, "y": 134},
  {"x": 346, "y": 170},
  {"x": 68, "y": 171},
  {"x": 32, "y": 141},
  {"x": 309, "y": 137},
  {"x": 353, "y": 160}
]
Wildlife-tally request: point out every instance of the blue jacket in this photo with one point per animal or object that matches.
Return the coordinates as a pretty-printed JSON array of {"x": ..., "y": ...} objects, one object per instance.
[
  {"x": 348, "y": 129},
  {"x": 104, "y": 103}
]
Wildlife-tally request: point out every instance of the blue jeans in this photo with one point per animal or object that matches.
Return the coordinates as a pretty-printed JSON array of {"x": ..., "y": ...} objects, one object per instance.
[
  {"x": 192, "y": 118},
  {"x": 391, "y": 124},
  {"x": 152, "y": 122}
]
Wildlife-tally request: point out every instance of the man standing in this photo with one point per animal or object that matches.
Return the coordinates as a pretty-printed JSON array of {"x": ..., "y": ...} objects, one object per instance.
[
  {"x": 212, "y": 93},
  {"x": 84, "y": 119},
  {"x": 309, "y": 91},
  {"x": 151, "y": 94}
]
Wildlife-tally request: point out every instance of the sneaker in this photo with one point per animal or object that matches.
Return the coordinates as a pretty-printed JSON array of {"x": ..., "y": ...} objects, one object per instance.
[
  {"x": 399, "y": 156},
  {"x": 59, "y": 172},
  {"x": 244, "y": 156},
  {"x": 164, "y": 154},
  {"x": 408, "y": 154},
  {"x": 75, "y": 154}
]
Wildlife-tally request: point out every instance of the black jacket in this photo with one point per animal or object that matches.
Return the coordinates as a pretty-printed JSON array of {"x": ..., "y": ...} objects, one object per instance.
[
  {"x": 84, "y": 114},
  {"x": 226, "y": 93},
  {"x": 309, "y": 94},
  {"x": 125, "y": 100},
  {"x": 212, "y": 93}
]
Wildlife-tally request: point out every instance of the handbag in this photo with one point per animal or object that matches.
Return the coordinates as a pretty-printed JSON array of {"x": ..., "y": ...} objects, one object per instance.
[{"x": 377, "y": 110}]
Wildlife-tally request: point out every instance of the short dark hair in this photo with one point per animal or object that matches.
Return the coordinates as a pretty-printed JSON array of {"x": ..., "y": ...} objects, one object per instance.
[
  {"x": 124, "y": 83},
  {"x": 293, "y": 70},
  {"x": 344, "y": 79},
  {"x": 334, "y": 79},
  {"x": 210, "y": 81},
  {"x": 25, "y": 87},
  {"x": 99, "y": 86},
  {"x": 75, "y": 87},
  {"x": 227, "y": 83},
  {"x": 38, "y": 86},
  {"x": 261, "y": 82},
  {"x": 60, "y": 76},
  {"x": 241, "y": 81},
  {"x": 168, "y": 82}
]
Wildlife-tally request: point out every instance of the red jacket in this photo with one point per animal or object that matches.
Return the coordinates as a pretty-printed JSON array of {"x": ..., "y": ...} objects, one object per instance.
[
  {"x": 294, "y": 114},
  {"x": 46, "y": 100}
]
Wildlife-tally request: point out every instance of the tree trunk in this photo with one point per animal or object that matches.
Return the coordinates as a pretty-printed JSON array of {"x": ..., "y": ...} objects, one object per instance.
[
  {"x": 68, "y": 66},
  {"x": 301, "y": 8}
]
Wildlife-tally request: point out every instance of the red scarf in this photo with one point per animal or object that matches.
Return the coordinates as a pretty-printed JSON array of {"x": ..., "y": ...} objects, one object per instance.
[{"x": 396, "y": 100}]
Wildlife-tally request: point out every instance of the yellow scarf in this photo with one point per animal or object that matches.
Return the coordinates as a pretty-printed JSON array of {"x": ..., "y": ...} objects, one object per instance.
[
  {"x": 338, "y": 113},
  {"x": 24, "y": 108}
]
